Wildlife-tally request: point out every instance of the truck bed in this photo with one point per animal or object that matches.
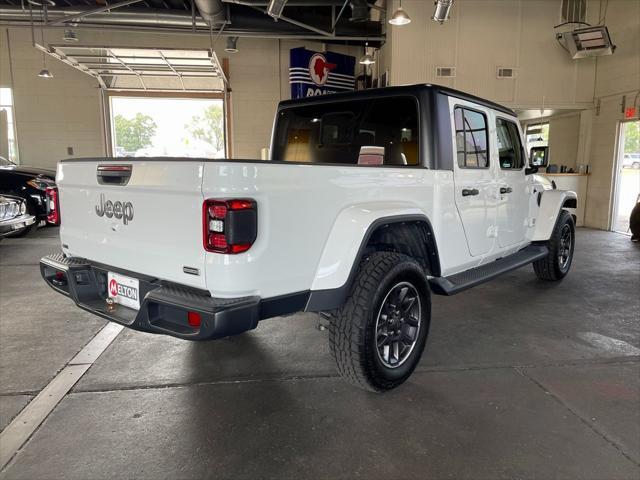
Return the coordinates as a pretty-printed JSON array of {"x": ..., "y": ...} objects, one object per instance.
[{"x": 298, "y": 206}]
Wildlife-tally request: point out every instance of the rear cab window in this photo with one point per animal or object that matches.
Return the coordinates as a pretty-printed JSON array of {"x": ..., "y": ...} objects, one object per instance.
[{"x": 373, "y": 132}]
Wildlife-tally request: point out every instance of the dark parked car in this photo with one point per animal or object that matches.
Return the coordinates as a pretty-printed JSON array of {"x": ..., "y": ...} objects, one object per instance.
[
  {"x": 13, "y": 215},
  {"x": 30, "y": 184}
]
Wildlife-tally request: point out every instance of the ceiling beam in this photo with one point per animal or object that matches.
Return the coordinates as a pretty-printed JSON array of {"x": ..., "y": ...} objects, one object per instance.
[
  {"x": 78, "y": 16},
  {"x": 306, "y": 26}
]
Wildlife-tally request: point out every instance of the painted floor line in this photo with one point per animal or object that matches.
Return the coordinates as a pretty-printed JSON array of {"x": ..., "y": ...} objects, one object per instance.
[
  {"x": 16, "y": 434},
  {"x": 97, "y": 345}
]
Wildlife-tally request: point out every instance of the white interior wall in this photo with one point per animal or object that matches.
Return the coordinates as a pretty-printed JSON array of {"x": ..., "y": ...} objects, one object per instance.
[
  {"x": 483, "y": 35},
  {"x": 617, "y": 82},
  {"x": 564, "y": 133},
  {"x": 53, "y": 114}
]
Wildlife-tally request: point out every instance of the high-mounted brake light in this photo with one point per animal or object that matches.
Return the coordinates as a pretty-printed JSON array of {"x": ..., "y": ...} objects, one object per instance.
[
  {"x": 229, "y": 226},
  {"x": 53, "y": 205}
]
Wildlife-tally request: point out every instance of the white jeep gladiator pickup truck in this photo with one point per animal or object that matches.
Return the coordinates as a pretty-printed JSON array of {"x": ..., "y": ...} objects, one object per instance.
[{"x": 372, "y": 201}]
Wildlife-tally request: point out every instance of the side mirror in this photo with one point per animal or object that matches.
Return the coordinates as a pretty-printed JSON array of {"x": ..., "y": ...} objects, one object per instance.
[{"x": 539, "y": 157}]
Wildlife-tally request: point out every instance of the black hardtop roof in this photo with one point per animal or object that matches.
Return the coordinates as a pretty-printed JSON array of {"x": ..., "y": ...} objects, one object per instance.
[{"x": 406, "y": 89}]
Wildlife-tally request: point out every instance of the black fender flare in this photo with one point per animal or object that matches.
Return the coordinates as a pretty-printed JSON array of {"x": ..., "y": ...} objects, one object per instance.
[{"x": 330, "y": 299}]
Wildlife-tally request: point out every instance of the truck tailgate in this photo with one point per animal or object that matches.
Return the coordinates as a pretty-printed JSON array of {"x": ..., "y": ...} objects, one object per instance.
[{"x": 159, "y": 229}]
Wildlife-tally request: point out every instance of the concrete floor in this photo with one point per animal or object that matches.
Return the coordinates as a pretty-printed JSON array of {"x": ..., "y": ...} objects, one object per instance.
[{"x": 520, "y": 379}]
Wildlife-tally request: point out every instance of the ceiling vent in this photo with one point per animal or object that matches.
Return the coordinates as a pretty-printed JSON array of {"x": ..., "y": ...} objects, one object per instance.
[
  {"x": 359, "y": 11},
  {"x": 506, "y": 72},
  {"x": 573, "y": 11},
  {"x": 445, "y": 71}
]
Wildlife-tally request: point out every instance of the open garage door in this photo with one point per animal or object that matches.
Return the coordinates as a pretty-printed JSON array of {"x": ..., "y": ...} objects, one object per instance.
[
  {"x": 627, "y": 176},
  {"x": 167, "y": 125},
  {"x": 145, "y": 69}
]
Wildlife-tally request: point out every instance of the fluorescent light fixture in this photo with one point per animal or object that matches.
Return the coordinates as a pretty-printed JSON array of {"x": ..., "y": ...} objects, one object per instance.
[
  {"x": 441, "y": 13},
  {"x": 232, "y": 45},
  {"x": 275, "y": 8},
  {"x": 400, "y": 17}
]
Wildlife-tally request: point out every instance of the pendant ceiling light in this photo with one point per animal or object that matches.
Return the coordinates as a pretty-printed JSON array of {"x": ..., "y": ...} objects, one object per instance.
[
  {"x": 275, "y": 8},
  {"x": 232, "y": 45},
  {"x": 400, "y": 17},
  {"x": 70, "y": 36},
  {"x": 366, "y": 59},
  {"x": 441, "y": 13},
  {"x": 44, "y": 73}
]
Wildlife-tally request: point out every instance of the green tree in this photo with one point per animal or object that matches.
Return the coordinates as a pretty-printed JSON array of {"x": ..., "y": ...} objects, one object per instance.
[
  {"x": 209, "y": 127},
  {"x": 632, "y": 137},
  {"x": 134, "y": 133}
]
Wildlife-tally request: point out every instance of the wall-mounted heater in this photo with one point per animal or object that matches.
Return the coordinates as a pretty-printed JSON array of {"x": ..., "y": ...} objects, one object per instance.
[{"x": 587, "y": 42}]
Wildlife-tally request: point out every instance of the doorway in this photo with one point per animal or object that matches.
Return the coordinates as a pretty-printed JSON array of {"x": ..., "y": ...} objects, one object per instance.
[
  {"x": 167, "y": 126},
  {"x": 627, "y": 178}
]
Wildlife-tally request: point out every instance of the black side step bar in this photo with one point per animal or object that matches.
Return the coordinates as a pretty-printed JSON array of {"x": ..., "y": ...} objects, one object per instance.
[{"x": 475, "y": 276}]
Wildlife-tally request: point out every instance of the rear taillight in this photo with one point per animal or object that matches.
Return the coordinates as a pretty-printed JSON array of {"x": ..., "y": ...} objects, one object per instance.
[
  {"x": 229, "y": 226},
  {"x": 53, "y": 206}
]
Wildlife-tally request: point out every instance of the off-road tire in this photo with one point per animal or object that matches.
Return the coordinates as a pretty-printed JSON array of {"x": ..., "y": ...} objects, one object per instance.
[
  {"x": 550, "y": 267},
  {"x": 352, "y": 329}
]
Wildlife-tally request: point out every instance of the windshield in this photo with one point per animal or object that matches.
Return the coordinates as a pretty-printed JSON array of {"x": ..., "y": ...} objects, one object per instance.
[{"x": 381, "y": 131}]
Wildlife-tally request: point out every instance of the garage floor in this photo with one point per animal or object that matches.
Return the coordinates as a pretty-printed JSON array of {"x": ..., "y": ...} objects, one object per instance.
[{"x": 520, "y": 379}]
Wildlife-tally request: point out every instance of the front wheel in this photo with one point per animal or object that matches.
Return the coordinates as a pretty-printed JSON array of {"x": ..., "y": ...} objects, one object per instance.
[
  {"x": 557, "y": 263},
  {"x": 377, "y": 337}
]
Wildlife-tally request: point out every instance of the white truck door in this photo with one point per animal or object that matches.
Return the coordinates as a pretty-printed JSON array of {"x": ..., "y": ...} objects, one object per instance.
[
  {"x": 474, "y": 178},
  {"x": 513, "y": 191}
]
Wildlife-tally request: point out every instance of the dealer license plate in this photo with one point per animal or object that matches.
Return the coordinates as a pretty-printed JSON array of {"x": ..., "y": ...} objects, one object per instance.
[{"x": 124, "y": 290}]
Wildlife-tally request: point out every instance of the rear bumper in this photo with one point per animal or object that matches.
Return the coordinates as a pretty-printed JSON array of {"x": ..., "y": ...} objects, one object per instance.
[{"x": 163, "y": 306}]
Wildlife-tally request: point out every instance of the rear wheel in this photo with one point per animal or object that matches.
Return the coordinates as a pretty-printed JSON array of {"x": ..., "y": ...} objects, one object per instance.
[
  {"x": 557, "y": 263},
  {"x": 379, "y": 334}
]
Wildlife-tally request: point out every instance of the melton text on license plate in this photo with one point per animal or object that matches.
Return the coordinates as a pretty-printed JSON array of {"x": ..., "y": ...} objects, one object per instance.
[{"x": 124, "y": 290}]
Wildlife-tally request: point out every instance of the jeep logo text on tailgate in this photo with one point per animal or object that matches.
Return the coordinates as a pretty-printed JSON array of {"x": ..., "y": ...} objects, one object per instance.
[{"x": 119, "y": 210}]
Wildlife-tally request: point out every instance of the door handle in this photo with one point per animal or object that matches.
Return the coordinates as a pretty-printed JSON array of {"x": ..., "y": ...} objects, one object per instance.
[
  {"x": 504, "y": 190},
  {"x": 114, "y": 174},
  {"x": 466, "y": 192}
]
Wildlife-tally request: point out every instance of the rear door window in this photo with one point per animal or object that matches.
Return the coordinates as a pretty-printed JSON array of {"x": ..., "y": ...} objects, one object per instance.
[
  {"x": 471, "y": 138},
  {"x": 509, "y": 145},
  {"x": 363, "y": 132}
]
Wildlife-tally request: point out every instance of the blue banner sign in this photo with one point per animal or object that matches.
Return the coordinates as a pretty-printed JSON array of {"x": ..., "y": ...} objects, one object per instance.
[{"x": 314, "y": 73}]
